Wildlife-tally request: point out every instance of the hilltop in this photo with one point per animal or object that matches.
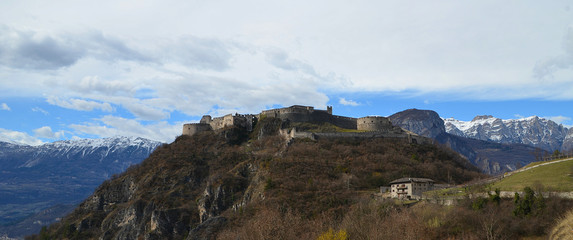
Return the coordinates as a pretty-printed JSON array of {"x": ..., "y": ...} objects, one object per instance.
[{"x": 219, "y": 183}]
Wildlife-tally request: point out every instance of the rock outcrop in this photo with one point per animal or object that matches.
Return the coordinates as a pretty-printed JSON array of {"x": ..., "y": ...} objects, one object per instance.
[{"x": 423, "y": 122}]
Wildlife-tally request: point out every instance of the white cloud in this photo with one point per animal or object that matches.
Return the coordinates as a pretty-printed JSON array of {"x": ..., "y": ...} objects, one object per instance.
[
  {"x": 4, "y": 106},
  {"x": 93, "y": 84},
  {"x": 109, "y": 126},
  {"x": 146, "y": 111},
  {"x": 198, "y": 53},
  {"x": 18, "y": 137},
  {"x": 79, "y": 104},
  {"x": 380, "y": 46},
  {"x": 548, "y": 68},
  {"x": 247, "y": 59},
  {"x": 249, "y": 63},
  {"x": 560, "y": 120},
  {"x": 40, "y": 110},
  {"x": 32, "y": 50},
  {"x": 46, "y": 132},
  {"x": 345, "y": 102}
]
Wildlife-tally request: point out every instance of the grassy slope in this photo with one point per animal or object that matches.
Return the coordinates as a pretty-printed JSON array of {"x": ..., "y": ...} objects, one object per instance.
[{"x": 554, "y": 177}]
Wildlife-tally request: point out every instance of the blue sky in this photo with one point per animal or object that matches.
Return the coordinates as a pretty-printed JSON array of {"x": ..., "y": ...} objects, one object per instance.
[{"x": 91, "y": 69}]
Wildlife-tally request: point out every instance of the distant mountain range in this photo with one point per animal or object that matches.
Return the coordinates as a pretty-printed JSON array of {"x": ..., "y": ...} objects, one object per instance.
[
  {"x": 59, "y": 174},
  {"x": 492, "y": 144},
  {"x": 532, "y": 131}
]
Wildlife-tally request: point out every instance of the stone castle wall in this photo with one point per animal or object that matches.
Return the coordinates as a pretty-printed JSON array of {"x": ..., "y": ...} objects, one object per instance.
[
  {"x": 239, "y": 120},
  {"x": 373, "y": 123},
  {"x": 294, "y": 113},
  {"x": 344, "y": 122},
  {"x": 395, "y": 134},
  {"x": 222, "y": 122},
  {"x": 309, "y": 114},
  {"x": 194, "y": 128}
]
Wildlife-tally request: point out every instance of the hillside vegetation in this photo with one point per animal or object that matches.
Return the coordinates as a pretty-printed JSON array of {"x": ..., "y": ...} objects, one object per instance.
[
  {"x": 235, "y": 185},
  {"x": 564, "y": 228}
]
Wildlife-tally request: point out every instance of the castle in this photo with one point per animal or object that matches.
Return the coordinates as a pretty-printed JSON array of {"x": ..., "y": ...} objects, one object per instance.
[
  {"x": 369, "y": 126},
  {"x": 294, "y": 113}
]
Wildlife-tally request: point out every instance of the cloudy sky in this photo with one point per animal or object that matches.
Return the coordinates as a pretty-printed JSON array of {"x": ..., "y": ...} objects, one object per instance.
[{"x": 90, "y": 69}]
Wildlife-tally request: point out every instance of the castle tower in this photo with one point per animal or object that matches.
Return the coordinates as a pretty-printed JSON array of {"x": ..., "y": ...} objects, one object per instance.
[
  {"x": 329, "y": 109},
  {"x": 373, "y": 123},
  {"x": 206, "y": 119}
]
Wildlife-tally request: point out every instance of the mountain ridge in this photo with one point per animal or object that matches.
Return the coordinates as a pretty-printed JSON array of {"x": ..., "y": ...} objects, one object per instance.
[
  {"x": 490, "y": 157},
  {"x": 35, "y": 178},
  {"x": 533, "y": 131}
]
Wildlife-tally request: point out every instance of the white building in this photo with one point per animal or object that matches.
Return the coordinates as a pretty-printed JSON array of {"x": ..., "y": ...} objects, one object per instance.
[{"x": 410, "y": 188}]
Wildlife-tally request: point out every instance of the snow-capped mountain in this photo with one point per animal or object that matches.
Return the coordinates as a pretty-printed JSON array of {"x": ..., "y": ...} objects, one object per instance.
[
  {"x": 103, "y": 149},
  {"x": 532, "y": 131},
  {"x": 490, "y": 157},
  {"x": 34, "y": 178}
]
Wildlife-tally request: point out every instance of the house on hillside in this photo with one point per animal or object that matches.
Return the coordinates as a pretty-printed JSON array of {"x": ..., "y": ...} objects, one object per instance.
[{"x": 410, "y": 188}]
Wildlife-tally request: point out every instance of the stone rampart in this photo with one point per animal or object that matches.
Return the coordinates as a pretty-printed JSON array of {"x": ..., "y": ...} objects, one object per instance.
[
  {"x": 406, "y": 136},
  {"x": 293, "y": 133},
  {"x": 309, "y": 114},
  {"x": 299, "y": 113},
  {"x": 344, "y": 122},
  {"x": 194, "y": 128},
  {"x": 296, "y": 109},
  {"x": 374, "y": 123},
  {"x": 245, "y": 121},
  {"x": 222, "y": 122}
]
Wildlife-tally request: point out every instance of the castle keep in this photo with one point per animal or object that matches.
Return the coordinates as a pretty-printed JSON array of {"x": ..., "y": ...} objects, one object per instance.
[{"x": 369, "y": 126}]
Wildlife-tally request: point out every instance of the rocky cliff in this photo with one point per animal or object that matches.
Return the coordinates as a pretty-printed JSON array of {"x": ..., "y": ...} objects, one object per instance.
[{"x": 425, "y": 123}]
